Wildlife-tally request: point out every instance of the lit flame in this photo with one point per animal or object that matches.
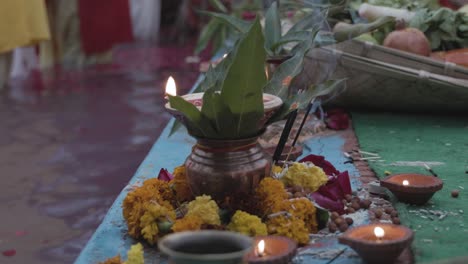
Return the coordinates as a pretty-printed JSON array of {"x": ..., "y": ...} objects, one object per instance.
[
  {"x": 261, "y": 248},
  {"x": 225, "y": 55},
  {"x": 171, "y": 87},
  {"x": 405, "y": 183},
  {"x": 379, "y": 232}
]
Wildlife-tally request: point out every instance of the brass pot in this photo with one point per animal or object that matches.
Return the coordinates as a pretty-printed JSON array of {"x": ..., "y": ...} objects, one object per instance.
[{"x": 226, "y": 168}]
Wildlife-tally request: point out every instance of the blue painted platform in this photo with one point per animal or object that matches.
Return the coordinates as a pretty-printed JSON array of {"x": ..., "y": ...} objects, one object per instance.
[{"x": 110, "y": 238}]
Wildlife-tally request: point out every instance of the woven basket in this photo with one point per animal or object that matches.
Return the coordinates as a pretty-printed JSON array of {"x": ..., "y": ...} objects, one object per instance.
[{"x": 388, "y": 79}]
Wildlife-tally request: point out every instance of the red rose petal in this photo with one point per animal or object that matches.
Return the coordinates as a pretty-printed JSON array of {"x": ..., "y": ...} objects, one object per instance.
[
  {"x": 164, "y": 175},
  {"x": 320, "y": 161},
  {"x": 9, "y": 253}
]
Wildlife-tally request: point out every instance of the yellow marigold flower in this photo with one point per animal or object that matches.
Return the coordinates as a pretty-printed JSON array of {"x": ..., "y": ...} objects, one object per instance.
[
  {"x": 205, "y": 208},
  {"x": 114, "y": 260},
  {"x": 162, "y": 187},
  {"x": 136, "y": 201},
  {"x": 276, "y": 169},
  {"x": 291, "y": 227},
  {"x": 247, "y": 224},
  {"x": 135, "y": 255},
  {"x": 269, "y": 193},
  {"x": 181, "y": 185},
  {"x": 304, "y": 175},
  {"x": 154, "y": 214},
  {"x": 305, "y": 210},
  {"x": 188, "y": 223}
]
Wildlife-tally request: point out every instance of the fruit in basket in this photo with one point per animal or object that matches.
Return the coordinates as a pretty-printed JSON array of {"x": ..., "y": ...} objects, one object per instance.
[
  {"x": 458, "y": 56},
  {"x": 367, "y": 38},
  {"x": 409, "y": 40}
]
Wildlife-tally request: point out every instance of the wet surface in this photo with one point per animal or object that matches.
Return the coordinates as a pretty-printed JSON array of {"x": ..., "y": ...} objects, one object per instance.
[{"x": 69, "y": 142}]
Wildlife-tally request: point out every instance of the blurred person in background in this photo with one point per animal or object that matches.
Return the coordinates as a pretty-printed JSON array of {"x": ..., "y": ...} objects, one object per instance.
[{"x": 22, "y": 23}]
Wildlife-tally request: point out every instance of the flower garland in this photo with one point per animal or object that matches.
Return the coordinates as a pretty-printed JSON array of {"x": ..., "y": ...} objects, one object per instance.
[{"x": 159, "y": 207}]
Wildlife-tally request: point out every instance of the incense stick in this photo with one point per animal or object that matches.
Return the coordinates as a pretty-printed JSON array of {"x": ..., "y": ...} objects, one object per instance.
[{"x": 285, "y": 135}]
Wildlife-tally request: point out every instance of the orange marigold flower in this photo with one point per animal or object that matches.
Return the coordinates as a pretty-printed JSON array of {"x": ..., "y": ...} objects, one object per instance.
[
  {"x": 305, "y": 210},
  {"x": 181, "y": 185},
  {"x": 269, "y": 193},
  {"x": 287, "y": 226},
  {"x": 188, "y": 223},
  {"x": 114, "y": 260},
  {"x": 136, "y": 202}
]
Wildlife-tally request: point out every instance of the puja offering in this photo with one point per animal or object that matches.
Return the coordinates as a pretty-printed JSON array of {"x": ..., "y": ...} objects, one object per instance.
[
  {"x": 378, "y": 243},
  {"x": 205, "y": 247},
  {"x": 272, "y": 250},
  {"x": 412, "y": 188}
]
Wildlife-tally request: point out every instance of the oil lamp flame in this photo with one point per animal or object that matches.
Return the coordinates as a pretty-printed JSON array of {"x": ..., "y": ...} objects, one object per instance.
[
  {"x": 171, "y": 87},
  {"x": 261, "y": 248},
  {"x": 405, "y": 183},
  {"x": 379, "y": 232}
]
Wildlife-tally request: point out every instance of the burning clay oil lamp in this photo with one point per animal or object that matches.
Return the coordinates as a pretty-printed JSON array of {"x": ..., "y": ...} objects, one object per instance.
[
  {"x": 206, "y": 247},
  {"x": 272, "y": 250},
  {"x": 378, "y": 243},
  {"x": 412, "y": 188}
]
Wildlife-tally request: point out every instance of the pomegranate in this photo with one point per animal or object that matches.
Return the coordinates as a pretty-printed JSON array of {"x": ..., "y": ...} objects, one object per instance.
[{"x": 409, "y": 40}]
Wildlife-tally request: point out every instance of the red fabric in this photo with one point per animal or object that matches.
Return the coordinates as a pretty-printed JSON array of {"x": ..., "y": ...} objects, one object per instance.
[
  {"x": 447, "y": 3},
  {"x": 104, "y": 23}
]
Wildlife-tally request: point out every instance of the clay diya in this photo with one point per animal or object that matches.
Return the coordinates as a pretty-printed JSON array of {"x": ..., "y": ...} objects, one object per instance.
[
  {"x": 378, "y": 243},
  {"x": 272, "y": 250},
  {"x": 412, "y": 188},
  {"x": 206, "y": 247}
]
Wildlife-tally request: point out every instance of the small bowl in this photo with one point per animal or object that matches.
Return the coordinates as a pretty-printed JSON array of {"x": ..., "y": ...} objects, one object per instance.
[
  {"x": 206, "y": 247},
  {"x": 364, "y": 242},
  {"x": 271, "y": 104},
  {"x": 419, "y": 190}
]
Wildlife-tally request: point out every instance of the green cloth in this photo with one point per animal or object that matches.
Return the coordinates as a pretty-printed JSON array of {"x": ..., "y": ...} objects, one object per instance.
[{"x": 401, "y": 138}]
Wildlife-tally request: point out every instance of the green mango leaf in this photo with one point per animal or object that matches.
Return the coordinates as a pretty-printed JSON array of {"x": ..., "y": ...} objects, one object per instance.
[
  {"x": 215, "y": 109},
  {"x": 272, "y": 26},
  {"x": 218, "y": 5},
  {"x": 286, "y": 71},
  {"x": 239, "y": 24},
  {"x": 175, "y": 127},
  {"x": 242, "y": 88},
  {"x": 297, "y": 36},
  {"x": 316, "y": 18},
  {"x": 302, "y": 99},
  {"x": 206, "y": 34},
  {"x": 197, "y": 124}
]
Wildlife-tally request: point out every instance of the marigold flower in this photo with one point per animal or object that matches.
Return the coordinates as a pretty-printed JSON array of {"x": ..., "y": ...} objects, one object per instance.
[
  {"x": 205, "y": 208},
  {"x": 305, "y": 210},
  {"x": 188, "y": 223},
  {"x": 269, "y": 193},
  {"x": 247, "y": 224},
  {"x": 136, "y": 202},
  {"x": 135, "y": 255},
  {"x": 154, "y": 214},
  {"x": 304, "y": 175},
  {"x": 181, "y": 185},
  {"x": 114, "y": 260},
  {"x": 291, "y": 227}
]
